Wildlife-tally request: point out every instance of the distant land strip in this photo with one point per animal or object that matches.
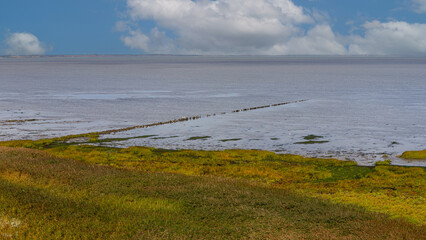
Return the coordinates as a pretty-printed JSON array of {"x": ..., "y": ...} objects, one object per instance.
[{"x": 184, "y": 119}]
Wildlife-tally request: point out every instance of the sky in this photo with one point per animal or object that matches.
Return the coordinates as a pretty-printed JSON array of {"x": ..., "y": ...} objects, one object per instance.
[{"x": 217, "y": 27}]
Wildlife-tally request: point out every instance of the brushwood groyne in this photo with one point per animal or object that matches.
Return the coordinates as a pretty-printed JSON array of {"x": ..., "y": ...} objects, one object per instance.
[{"x": 195, "y": 117}]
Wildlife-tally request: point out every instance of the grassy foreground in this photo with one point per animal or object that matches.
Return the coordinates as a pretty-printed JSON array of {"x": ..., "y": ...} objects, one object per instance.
[
  {"x": 69, "y": 189},
  {"x": 43, "y": 196}
]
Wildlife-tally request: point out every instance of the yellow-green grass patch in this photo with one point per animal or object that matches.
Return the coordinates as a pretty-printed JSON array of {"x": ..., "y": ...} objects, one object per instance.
[
  {"x": 414, "y": 155},
  {"x": 43, "y": 196}
]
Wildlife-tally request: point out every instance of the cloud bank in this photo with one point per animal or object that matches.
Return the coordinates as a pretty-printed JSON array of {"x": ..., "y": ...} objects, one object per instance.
[
  {"x": 275, "y": 27},
  {"x": 24, "y": 44},
  {"x": 395, "y": 38}
]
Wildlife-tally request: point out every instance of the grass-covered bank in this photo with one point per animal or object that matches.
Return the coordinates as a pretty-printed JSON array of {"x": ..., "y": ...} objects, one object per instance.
[
  {"x": 396, "y": 191},
  {"x": 414, "y": 155},
  {"x": 43, "y": 196}
]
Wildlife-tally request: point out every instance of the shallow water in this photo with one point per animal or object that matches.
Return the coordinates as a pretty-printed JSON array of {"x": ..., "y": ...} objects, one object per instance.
[{"x": 363, "y": 107}]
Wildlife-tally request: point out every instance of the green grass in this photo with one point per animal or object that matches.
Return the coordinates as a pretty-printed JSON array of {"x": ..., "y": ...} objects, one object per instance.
[
  {"x": 20, "y": 120},
  {"x": 383, "y": 163},
  {"x": 157, "y": 138},
  {"x": 43, "y": 196},
  {"x": 414, "y": 155},
  {"x": 311, "y": 142},
  {"x": 198, "y": 138},
  {"x": 396, "y": 191},
  {"x": 230, "y": 139},
  {"x": 312, "y": 137}
]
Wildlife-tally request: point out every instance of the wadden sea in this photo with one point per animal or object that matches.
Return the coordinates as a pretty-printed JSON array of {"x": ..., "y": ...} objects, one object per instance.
[{"x": 356, "y": 108}]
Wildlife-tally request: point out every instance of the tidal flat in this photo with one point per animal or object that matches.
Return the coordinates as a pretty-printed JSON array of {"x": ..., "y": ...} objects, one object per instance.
[{"x": 360, "y": 105}]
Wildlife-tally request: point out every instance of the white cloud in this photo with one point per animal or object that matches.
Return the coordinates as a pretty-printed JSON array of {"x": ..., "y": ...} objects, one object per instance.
[
  {"x": 320, "y": 40},
  {"x": 24, "y": 44},
  {"x": 156, "y": 42},
  {"x": 121, "y": 26},
  {"x": 275, "y": 27},
  {"x": 419, "y": 6},
  {"x": 223, "y": 26},
  {"x": 398, "y": 38},
  {"x": 136, "y": 40}
]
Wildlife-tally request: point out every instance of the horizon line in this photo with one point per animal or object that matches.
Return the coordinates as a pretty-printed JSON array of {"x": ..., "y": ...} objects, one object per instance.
[{"x": 209, "y": 55}]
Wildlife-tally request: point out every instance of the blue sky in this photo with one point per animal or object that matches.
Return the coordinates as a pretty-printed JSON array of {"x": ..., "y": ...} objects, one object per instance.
[
  {"x": 330, "y": 27},
  {"x": 69, "y": 27}
]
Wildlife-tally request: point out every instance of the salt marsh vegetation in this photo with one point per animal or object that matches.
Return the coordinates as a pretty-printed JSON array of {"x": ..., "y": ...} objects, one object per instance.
[{"x": 92, "y": 192}]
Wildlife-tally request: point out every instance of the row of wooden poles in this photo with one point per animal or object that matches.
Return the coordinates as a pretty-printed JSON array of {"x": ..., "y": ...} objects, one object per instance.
[
  {"x": 267, "y": 106},
  {"x": 184, "y": 119}
]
